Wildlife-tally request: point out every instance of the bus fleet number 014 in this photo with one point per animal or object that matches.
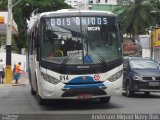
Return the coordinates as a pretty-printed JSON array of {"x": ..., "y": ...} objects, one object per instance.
[{"x": 64, "y": 77}]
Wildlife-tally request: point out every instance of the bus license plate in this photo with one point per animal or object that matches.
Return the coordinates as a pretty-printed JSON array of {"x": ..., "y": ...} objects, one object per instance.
[
  {"x": 84, "y": 96},
  {"x": 154, "y": 84}
]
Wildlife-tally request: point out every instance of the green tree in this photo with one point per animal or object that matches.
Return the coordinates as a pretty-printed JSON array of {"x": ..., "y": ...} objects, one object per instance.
[
  {"x": 136, "y": 16},
  {"x": 156, "y": 10},
  {"x": 3, "y": 5}
]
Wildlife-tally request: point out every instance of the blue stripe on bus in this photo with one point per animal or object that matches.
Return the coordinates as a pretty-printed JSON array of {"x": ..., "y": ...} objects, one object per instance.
[
  {"x": 82, "y": 79},
  {"x": 84, "y": 86}
]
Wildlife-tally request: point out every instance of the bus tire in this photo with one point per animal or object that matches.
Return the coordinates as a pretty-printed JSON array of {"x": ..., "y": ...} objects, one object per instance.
[
  {"x": 41, "y": 101},
  {"x": 33, "y": 92},
  {"x": 147, "y": 93},
  {"x": 105, "y": 99}
]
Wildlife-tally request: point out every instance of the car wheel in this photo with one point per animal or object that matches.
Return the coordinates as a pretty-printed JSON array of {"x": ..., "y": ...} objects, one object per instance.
[
  {"x": 105, "y": 100},
  {"x": 129, "y": 92},
  {"x": 147, "y": 93}
]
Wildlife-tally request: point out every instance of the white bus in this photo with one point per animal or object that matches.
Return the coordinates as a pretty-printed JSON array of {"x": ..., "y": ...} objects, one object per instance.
[{"x": 75, "y": 54}]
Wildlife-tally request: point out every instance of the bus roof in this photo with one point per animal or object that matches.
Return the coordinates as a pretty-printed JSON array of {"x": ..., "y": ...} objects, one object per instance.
[{"x": 72, "y": 12}]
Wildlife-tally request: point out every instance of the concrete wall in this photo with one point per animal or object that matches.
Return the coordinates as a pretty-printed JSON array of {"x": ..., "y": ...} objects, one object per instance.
[
  {"x": 146, "y": 53},
  {"x": 15, "y": 59}
]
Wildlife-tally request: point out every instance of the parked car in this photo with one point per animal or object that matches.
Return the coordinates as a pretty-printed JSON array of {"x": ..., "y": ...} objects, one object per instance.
[{"x": 140, "y": 75}]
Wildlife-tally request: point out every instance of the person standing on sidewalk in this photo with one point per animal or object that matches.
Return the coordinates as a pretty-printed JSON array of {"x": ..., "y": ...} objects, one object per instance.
[
  {"x": 14, "y": 72},
  {"x": 17, "y": 72},
  {"x": 2, "y": 71}
]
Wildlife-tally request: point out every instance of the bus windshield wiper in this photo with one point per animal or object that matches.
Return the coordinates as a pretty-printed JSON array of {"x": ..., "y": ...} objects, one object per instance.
[
  {"x": 65, "y": 60},
  {"x": 99, "y": 57}
]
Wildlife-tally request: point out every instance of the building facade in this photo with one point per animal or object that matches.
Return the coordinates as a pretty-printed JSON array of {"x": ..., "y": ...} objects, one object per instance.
[
  {"x": 110, "y": 2},
  {"x": 87, "y": 4},
  {"x": 3, "y": 29}
]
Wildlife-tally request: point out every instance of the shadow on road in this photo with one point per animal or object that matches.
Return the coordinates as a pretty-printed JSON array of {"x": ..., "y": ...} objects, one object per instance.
[
  {"x": 78, "y": 105},
  {"x": 142, "y": 95},
  {"x": 91, "y": 104}
]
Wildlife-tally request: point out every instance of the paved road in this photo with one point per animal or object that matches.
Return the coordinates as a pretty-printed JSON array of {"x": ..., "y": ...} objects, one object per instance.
[{"x": 17, "y": 99}]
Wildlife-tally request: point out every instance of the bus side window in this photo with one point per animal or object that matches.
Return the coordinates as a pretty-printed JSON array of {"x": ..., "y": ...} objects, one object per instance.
[
  {"x": 31, "y": 43},
  {"x": 48, "y": 41},
  {"x": 37, "y": 39},
  {"x": 110, "y": 39}
]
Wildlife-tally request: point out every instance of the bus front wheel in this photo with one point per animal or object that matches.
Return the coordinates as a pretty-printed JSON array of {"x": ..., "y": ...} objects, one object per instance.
[
  {"x": 33, "y": 92},
  {"x": 41, "y": 101}
]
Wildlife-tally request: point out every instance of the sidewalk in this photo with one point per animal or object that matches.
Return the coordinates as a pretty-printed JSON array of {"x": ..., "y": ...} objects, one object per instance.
[{"x": 23, "y": 81}]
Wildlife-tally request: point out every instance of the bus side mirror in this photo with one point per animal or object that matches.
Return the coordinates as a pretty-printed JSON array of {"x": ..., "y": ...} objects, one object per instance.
[{"x": 124, "y": 68}]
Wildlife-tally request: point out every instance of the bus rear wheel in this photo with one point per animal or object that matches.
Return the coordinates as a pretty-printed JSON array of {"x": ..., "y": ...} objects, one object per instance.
[{"x": 105, "y": 99}]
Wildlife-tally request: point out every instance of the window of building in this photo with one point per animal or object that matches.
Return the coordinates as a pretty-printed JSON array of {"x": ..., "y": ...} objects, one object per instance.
[
  {"x": 98, "y": 1},
  {"x": 90, "y": 2},
  {"x": 90, "y": 8}
]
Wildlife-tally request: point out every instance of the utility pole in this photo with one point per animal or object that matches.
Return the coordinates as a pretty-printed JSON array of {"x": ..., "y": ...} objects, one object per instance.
[{"x": 8, "y": 44}]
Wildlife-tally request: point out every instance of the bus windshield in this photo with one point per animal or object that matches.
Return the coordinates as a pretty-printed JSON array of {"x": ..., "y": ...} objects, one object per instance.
[{"x": 80, "y": 40}]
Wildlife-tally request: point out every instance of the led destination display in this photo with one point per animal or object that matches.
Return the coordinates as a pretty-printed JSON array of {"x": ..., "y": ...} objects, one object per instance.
[{"x": 78, "y": 21}]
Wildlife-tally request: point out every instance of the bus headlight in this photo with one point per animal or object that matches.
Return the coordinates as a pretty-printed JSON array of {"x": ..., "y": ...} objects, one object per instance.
[
  {"x": 50, "y": 79},
  {"x": 115, "y": 76}
]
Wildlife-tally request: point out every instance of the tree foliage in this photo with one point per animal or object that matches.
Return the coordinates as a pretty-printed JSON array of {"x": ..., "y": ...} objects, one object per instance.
[
  {"x": 3, "y": 5},
  {"x": 137, "y": 15}
]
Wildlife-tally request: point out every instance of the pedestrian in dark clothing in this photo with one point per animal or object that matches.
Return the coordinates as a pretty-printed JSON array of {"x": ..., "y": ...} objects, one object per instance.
[
  {"x": 2, "y": 71},
  {"x": 14, "y": 72}
]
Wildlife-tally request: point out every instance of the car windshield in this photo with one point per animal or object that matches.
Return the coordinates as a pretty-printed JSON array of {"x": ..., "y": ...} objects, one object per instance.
[
  {"x": 144, "y": 64},
  {"x": 80, "y": 40}
]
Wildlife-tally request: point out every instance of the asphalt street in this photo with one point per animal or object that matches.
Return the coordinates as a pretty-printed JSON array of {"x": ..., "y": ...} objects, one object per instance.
[{"x": 18, "y": 100}]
